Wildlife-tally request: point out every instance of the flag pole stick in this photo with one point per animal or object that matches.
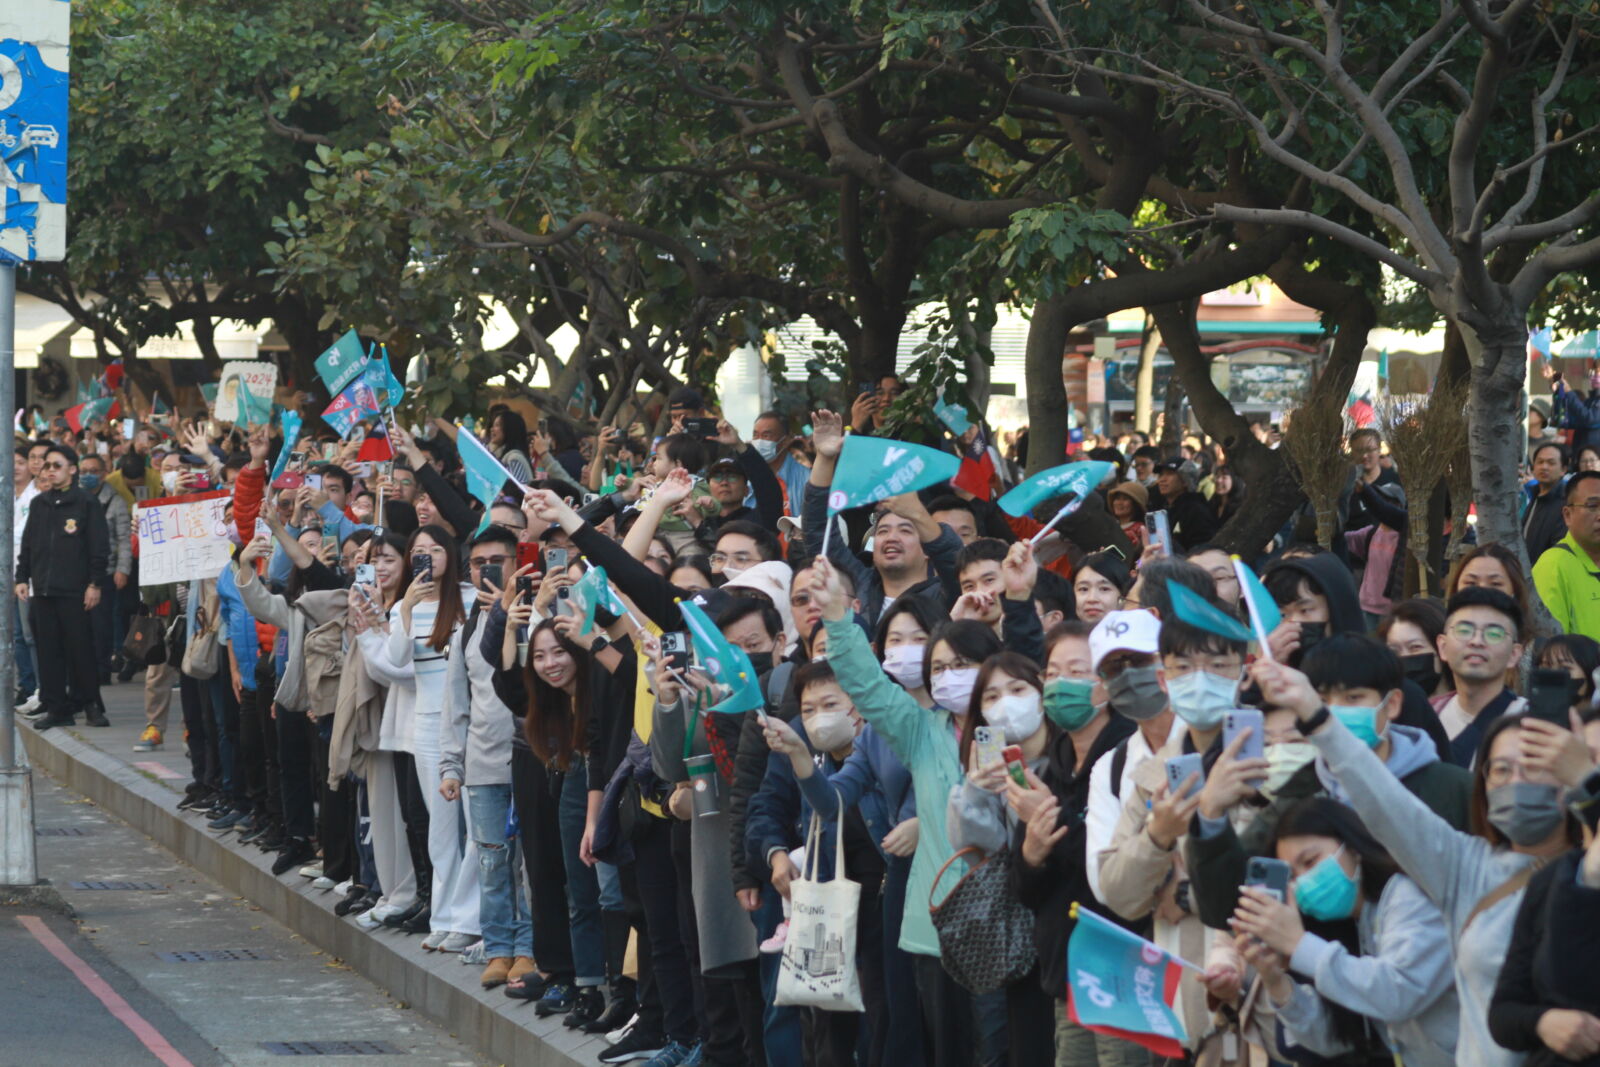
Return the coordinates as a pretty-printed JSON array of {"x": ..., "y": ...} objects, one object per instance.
[
  {"x": 1063, "y": 513},
  {"x": 827, "y": 535},
  {"x": 1250, "y": 604}
]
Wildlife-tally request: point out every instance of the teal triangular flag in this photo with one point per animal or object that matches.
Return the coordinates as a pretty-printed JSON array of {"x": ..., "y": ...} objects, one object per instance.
[
  {"x": 1080, "y": 478},
  {"x": 1192, "y": 608},
  {"x": 871, "y": 469},
  {"x": 725, "y": 662}
]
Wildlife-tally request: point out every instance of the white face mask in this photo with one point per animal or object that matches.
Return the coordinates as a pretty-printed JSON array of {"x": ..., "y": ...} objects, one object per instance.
[
  {"x": 830, "y": 731},
  {"x": 952, "y": 690},
  {"x": 1017, "y": 715},
  {"x": 1201, "y": 698},
  {"x": 903, "y": 663},
  {"x": 169, "y": 481},
  {"x": 765, "y": 449}
]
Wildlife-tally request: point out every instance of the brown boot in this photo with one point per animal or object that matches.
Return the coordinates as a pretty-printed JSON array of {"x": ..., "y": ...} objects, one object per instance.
[
  {"x": 496, "y": 973},
  {"x": 522, "y": 965}
]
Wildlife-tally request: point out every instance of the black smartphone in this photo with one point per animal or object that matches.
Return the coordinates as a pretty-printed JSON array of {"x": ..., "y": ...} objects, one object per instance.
[
  {"x": 1550, "y": 695},
  {"x": 555, "y": 559},
  {"x": 490, "y": 575},
  {"x": 422, "y": 568},
  {"x": 703, "y": 426},
  {"x": 525, "y": 586},
  {"x": 863, "y": 388},
  {"x": 1263, "y": 872},
  {"x": 675, "y": 651}
]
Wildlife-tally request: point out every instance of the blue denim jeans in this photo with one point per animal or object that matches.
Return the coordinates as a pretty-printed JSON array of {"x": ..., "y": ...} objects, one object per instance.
[
  {"x": 22, "y": 647},
  {"x": 583, "y": 884},
  {"x": 507, "y": 929}
]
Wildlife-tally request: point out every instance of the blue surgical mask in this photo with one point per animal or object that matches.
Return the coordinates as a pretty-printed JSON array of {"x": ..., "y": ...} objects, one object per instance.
[
  {"x": 89, "y": 482},
  {"x": 1201, "y": 698},
  {"x": 1363, "y": 722},
  {"x": 765, "y": 449},
  {"x": 1326, "y": 891}
]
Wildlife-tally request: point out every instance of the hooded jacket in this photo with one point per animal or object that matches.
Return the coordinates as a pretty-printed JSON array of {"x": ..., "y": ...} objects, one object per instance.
[{"x": 1217, "y": 855}]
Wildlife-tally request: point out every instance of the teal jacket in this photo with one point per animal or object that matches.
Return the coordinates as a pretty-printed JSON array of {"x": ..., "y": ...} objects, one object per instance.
[{"x": 925, "y": 741}]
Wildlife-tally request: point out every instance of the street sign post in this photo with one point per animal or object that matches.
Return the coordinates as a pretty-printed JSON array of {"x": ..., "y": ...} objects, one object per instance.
[{"x": 33, "y": 229}]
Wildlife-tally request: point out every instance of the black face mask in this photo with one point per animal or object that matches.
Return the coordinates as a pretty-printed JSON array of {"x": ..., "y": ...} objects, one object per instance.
[
  {"x": 1422, "y": 668},
  {"x": 1311, "y": 633},
  {"x": 761, "y": 661}
]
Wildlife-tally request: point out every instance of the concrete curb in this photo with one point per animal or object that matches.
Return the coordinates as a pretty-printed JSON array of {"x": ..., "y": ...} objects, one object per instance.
[
  {"x": 444, "y": 991},
  {"x": 43, "y": 895}
]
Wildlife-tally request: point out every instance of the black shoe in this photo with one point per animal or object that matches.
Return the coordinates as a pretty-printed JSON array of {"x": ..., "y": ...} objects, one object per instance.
[
  {"x": 297, "y": 852},
  {"x": 394, "y": 922},
  {"x": 272, "y": 840},
  {"x": 95, "y": 715},
  {"x": 586, "y": 1008},
  {"x": 355, "y": 894},
  {"x": 533, "y": 986},
  {"x": 635, "y": 1045},
  {"x": 260, "y": 826},
  {"x": 195, "y": 801},
  {"x": 54, "y": 719},
  {"x": 227, "y": 820},
  {"x": 420, "y": 923},
  {"x": 622, "y": 1007}
]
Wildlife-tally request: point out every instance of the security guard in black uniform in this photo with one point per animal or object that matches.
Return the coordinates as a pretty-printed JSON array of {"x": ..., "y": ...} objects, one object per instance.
[{"x": 66, "y": 546}]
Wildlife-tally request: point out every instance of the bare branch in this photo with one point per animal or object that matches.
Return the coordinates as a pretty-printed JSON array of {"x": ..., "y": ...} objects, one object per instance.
[{"x": 1424, "y": 277}]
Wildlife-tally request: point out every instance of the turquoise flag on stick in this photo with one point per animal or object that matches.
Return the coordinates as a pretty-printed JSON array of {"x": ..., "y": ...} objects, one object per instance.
[
  {"x": 291, "y": 434},
  {"x": 1080, "y": 478},
  {"x": 1264, "y": 613},
  {"x": 593, "y": 591},
  {"x": 486, "y": 476},
  {"x": 725, "y": 662},
  {"x": 343, "y": 360},
  {"x": 1121, "y": 985},
  {"x": 1195, "y": 610},
  {"x": 871, "y": 469}
]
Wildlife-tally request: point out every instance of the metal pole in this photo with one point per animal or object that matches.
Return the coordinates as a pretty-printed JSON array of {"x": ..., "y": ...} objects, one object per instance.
[
  {"x": 18, "y": 859},
  {"x": 8, "y": 410}
]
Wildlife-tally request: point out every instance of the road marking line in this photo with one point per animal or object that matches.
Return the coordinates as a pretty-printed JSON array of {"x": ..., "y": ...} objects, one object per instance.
[{"x": 148, "y": 1035}]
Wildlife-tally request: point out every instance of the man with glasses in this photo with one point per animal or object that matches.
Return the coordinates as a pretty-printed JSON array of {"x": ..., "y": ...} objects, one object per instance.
[
  {"x": 1481, "y": 640},
  {"x": 65, "y": 550},
  {"x": 1568, "y": 575}
]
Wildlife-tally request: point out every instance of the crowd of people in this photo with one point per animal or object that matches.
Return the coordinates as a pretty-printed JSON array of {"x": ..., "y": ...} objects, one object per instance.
[{"x": 1372, "y": 833}]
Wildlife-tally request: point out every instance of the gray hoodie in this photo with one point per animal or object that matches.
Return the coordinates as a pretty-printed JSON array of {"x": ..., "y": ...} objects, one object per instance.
[
  {"x": 476, "y": 727},
  {"x": 1409, "y": 750},
  {"x": 1454, "y": 869},
  {"x": 1401, "y": 979}
]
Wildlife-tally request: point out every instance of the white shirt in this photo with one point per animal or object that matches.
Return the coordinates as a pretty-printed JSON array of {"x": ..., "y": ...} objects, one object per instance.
[{"x": 19, "y": 518}]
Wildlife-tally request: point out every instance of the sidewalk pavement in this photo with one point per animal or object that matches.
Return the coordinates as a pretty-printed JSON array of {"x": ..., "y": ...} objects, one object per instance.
[
  {"x": 143, "y": 789},
  {"x": 271, "y": 986}
]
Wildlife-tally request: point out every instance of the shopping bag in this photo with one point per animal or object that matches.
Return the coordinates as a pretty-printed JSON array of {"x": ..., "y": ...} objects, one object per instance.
[
  {"x": 818, "y": 968},
  {"x": 146, "y": 643}
]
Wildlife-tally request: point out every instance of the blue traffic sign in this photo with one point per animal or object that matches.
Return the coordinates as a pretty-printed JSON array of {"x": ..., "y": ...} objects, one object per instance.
[{"x": 33, "y": 129}]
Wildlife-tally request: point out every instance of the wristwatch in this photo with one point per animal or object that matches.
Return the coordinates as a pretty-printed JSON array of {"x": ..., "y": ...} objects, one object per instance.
[{"x": 601, "y": 642}]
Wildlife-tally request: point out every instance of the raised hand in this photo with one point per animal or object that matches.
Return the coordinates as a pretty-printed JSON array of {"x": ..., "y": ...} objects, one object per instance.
[
  {"x": 827, "y": 434},
  {"x": 1020, "y": 570}
]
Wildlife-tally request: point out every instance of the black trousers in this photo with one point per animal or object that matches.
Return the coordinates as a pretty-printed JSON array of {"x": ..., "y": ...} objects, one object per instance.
[
  {"x": 336, "y": 814},
  {"x": 949, "y": 1035},
  {"x": 294, "y": 774},
  {"x": 63, "y": 646},
  {"x": 542, "y": 860},
  {"x": 657, "y": 880},
  {"x": 1030, "y": 1022},
  {"x": 730, "y": 1000},
  {"x": 414, "y": 813},
  {"x": 200, "y": 731},
  {"x": 257, "y": 760}
]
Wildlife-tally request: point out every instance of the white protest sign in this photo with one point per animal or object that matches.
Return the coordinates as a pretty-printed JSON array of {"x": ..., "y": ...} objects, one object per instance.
[
  {"x": 183, "y": 537},
  {"x": 261, "y": 381}
]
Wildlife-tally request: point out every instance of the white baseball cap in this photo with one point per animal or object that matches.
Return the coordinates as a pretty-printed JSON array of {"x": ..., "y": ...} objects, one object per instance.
[{"x": 1124, "y": 631}]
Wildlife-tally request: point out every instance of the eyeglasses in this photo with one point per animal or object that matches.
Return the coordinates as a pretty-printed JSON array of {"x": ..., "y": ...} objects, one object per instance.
[
  {"x": 1492, "y": 634},
  {"x": 489, "y": 561},
  {"x": 738, "y": 559},
  {"x": 1591, "y": 506}
]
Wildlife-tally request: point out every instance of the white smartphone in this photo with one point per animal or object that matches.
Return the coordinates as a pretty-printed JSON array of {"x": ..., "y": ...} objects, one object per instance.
[{"x": 1179, "y": 768}]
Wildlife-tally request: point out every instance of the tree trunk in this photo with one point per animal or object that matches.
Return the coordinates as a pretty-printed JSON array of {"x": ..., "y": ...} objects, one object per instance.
[
  {"x": 1144, "y": 385},
  {"x": 1172, "y": 418},
  {"x": 1498, "y": 351},
  {"x": 1047, "y": 393}
]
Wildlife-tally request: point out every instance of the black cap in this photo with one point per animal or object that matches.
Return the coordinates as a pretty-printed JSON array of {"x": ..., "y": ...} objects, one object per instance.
[
  {"x": 686, "y": 396},
  {"x": 726, "y": 464}
]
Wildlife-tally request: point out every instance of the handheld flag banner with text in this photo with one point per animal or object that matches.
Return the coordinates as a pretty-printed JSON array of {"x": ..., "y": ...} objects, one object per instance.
[
  {"x": 254, "y": 410},
  {"x": 725, "y": 662},
  {"x": 1121, "y": 985},
  {"x": 486, "y": 476},
  {"x": 343, "y": 360},
  {"x": 344, "y": 414},
  {"x": 1195, "y": 610},
  {"x": 381, "y": 380},
  {"x": 871, "y": 469},
  {"x": 1079, "y": 478},
  {"x": 291, "y": 436},
  {"x": 1264, "y": 613},
  {"x": 79, "y": 416}
]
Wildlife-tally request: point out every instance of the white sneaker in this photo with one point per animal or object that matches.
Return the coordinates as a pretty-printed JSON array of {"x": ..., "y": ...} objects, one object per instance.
[
  {"x": 322, "y": 883},
  {"x": 311, "y": 870},
  {"x": 373, "y": 918},
  {"x": 31, "y": 704},
  {"x": 475, "y": 955},
  {"x": 458, "y": 942},
  {"x": 434, "y": 940},
  {"x": 343, "y": 888}
]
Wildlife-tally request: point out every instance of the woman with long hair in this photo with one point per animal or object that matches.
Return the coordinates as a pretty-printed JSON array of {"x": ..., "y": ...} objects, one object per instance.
[
  {"x": 1397, "y": 974},
  {"x": 1477, "y": 879},
  {"x": 1227, "y": 495},
  {"x": 420, "y": 627},
  {"x": 508, "y": 440}
]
